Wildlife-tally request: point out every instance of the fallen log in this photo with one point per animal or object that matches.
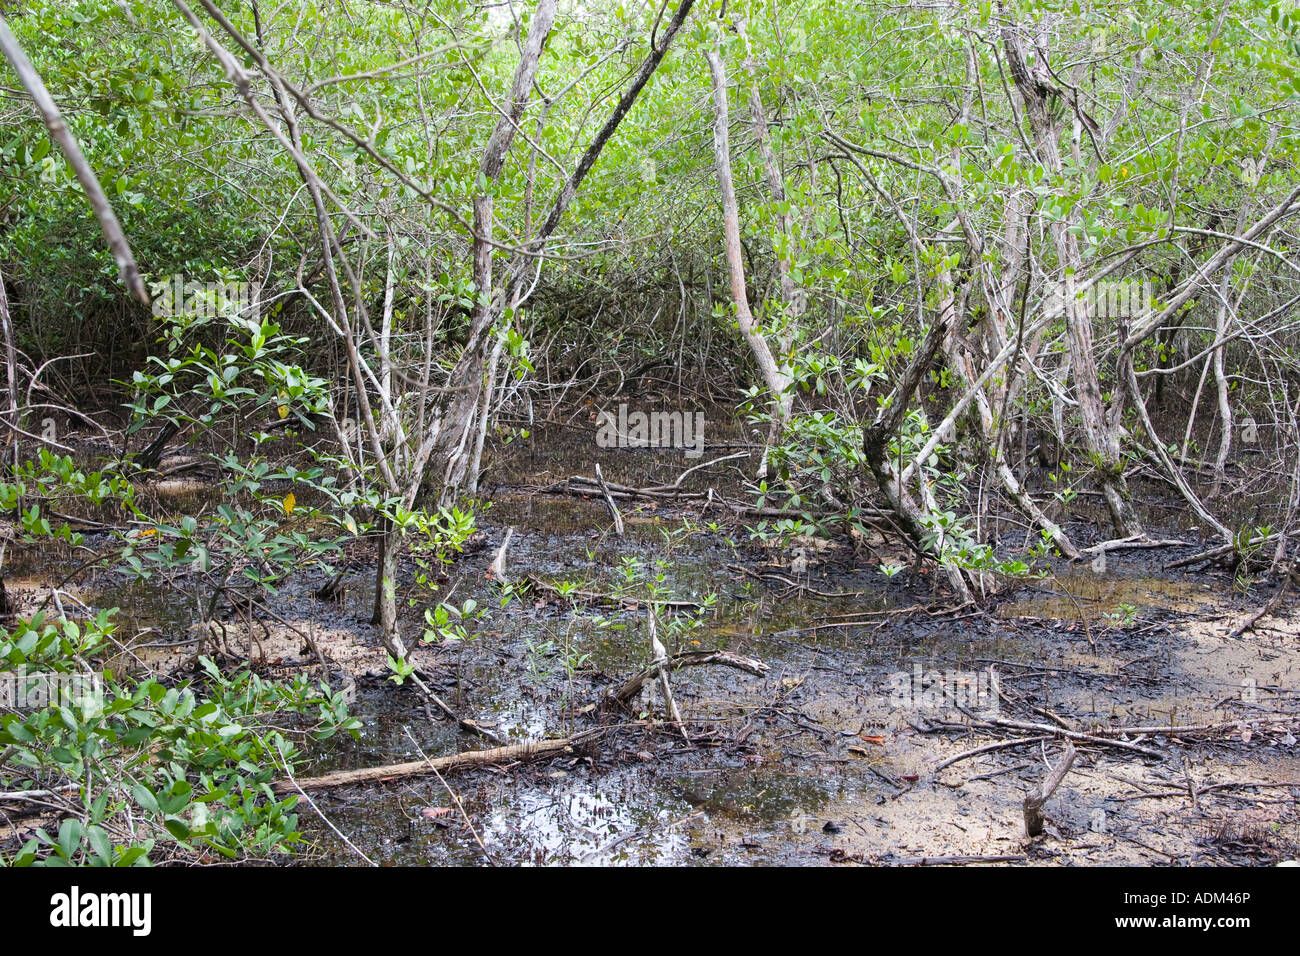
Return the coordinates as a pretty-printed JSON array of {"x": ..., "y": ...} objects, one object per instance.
[
  {"x": 517, "y": 753},
  {"x": 582, "y": 486},
  {"x": 1133, "y": 542},
  {"x": 469, "y": 760}
]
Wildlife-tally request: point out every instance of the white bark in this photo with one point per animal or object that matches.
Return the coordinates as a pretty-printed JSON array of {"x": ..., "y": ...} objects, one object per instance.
[{"x": 775, "y": 374}]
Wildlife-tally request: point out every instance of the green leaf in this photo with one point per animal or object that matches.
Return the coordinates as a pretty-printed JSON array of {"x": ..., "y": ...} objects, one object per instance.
[
  {"x": 100, "y": 843},
  {"x": 70, "y": 833},
  {"x": 145, "y": 798}
]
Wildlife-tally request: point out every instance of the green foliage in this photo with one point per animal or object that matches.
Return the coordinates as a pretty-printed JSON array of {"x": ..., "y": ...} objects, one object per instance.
[
  {"x": 56, "y": 480},
  {"x": 157, "y": 772}
]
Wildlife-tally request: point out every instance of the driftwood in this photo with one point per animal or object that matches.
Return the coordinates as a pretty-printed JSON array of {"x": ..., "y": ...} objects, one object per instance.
[
  {"x": 1034, "y": 819},
  {"x": 469, "y": 760}
]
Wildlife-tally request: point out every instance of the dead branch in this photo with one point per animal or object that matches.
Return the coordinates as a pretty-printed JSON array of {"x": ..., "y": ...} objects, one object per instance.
[
  {"x": 609, "y": 503},
  {"x": 1099, "y": 738},
  {"x": 989, "y": 748},
  {"x": 464, "y": 723},
  {"x": 1034, "y": 820},
  {"x": 1187, "y": 730},
  {"x": 632, "y": 686},
  {"x": 1215, "y": 553},
  {"x": 1266, "y": 610}
]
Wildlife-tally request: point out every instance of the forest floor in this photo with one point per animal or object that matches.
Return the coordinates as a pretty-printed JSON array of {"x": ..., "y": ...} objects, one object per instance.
[{"x": 838, "y": 752}]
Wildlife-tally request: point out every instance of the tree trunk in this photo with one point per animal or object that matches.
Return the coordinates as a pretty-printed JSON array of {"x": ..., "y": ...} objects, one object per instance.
[
  {"x": 1100, "y": 424},
  {"x": 450, "y": 461},
  {"x": 454, "y": 448},
  {"x": 11, "y": 381},
  {"x": 1220, "y": 378},
  {"x": 875, "y": 449},
  {"x": 791, "y": 295},
  {"x": 775, "y": 376},
  {"x": 385, "y": 612}
]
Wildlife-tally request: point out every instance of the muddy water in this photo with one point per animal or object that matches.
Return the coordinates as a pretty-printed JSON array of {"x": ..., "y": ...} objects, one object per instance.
[
  {"x": 1085, "y": 595},
  {"x": 793, "y": 794},
  {"x": 652, "y": 805},
  {"x": 811, "y": 759}
]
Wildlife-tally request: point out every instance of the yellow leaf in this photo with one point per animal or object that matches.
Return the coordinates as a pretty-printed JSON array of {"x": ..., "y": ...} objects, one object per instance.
[
  {"x": 284, "y": 411},
  {"x": 350, "y": 524},
  {"x": 289, "y": 502}
]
